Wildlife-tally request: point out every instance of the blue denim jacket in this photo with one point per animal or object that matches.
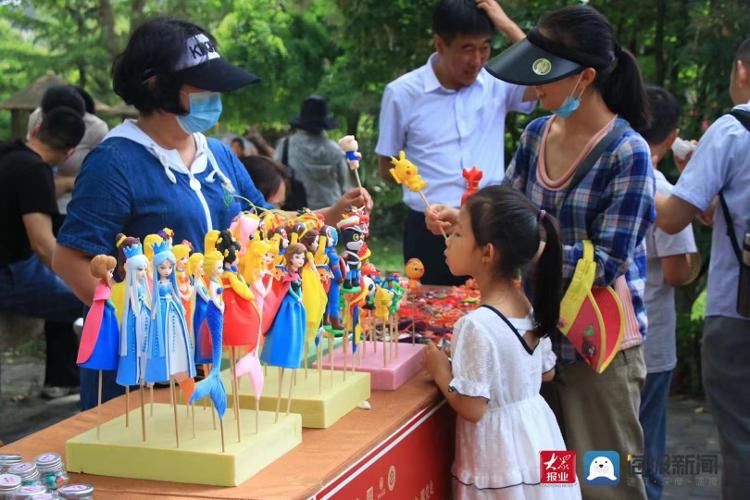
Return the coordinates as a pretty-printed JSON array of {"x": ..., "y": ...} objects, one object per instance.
[{"x": 124, "y": 188}]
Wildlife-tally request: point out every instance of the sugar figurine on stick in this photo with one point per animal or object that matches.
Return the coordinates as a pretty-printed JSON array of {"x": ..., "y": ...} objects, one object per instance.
[
  {"x": 241, "y": 320},
  {"x": 100, "y": 339},
  {"x": 256, "y": 266},
  {"x": 135, "y": 323},
  {"x": 472, "y": 176},
  {"x": 212, "y": 386},
  {"x": 350, "y": 146},
  {"x": 169, "y": 350},
  {"x": 286, "y": 337},
  {"x": 406, "y": 173}
]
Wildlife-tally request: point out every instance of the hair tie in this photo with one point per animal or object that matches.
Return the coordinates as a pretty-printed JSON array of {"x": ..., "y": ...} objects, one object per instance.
[{"x": 541, "y": 215}]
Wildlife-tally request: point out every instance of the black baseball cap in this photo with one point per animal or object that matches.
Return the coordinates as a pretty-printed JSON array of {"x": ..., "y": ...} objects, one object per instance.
[
  {"x": 202, "y": 66},
  {"x": 537, "y": 60}
]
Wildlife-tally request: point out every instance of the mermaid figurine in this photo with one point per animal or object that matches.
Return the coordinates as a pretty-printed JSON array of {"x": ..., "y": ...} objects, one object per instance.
[
  {"x": 200, "y": 306},
  {"x": 212, "y": 385},
  {"x": 136, "y": 317}
]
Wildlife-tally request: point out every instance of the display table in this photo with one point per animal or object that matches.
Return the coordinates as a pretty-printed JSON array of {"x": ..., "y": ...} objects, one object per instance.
[{"x": 401, "y": 448}]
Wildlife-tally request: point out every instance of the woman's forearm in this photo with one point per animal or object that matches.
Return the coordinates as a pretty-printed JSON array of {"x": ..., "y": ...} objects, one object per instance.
[{"x": 73, "y": 267}]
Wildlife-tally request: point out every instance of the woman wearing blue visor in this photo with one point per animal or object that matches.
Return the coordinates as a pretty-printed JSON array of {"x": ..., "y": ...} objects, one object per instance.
[
  {"x": 587, "y": 165},
  {"x": 160, "y": 170}
]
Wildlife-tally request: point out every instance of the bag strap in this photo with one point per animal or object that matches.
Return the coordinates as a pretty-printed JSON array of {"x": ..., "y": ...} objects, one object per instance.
[
  {"x": 744, "y": 118},
  {"x": 588, "y": 163},
  {"x": 285, "y": 151}
]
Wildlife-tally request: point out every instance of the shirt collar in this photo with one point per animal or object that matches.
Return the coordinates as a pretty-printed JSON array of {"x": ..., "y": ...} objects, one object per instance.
[
  {"x": 168, "y": 157},
  {"x": 431, "y": 82}
]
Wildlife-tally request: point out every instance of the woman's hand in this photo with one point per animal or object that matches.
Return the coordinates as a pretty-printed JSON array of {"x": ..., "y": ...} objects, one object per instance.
[
  {"x": 437, "y": 363},
  {"x": 500, "y": 19},
  {"x": 357, "y": 197},
  {"x": 439, "y": 218}
]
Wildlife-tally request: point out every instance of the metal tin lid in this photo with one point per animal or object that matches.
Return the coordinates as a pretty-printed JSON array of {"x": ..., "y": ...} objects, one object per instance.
[
  {"x": 75, "y": 490},
  {"x": 48, "y": 461},
  {"x": 32, "y": 490},
  {"x": 9, "y": 459},
  {"x": 24, "y": 469},
  {"x": 9, "y": 482}
]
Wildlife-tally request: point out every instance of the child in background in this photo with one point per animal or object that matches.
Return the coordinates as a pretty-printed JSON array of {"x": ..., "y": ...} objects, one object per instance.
[
  {"x": 672, "y": 261},
  {"x": 501, "y": 350},
  {"x": 270, "y": 177}
]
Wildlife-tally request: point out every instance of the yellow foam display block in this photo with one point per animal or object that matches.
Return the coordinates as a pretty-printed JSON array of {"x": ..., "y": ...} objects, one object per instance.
[
  {"x": 121, "y": 452},
  {"x": 320, "y": 405}
]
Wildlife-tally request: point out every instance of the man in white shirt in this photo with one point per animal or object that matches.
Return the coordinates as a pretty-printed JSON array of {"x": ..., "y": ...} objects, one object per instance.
[
  {"x": 720, "y": 165},
  {"x": 448, "y": 115}
]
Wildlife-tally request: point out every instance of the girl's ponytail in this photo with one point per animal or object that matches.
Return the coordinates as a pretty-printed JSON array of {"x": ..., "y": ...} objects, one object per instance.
[
  {"x": 624, "y": 91},
  {"x": 547, "y": 278}
]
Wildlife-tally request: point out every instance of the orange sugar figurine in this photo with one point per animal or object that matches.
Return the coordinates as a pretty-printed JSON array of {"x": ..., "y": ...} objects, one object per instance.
[{"x": 414, "y": 271}]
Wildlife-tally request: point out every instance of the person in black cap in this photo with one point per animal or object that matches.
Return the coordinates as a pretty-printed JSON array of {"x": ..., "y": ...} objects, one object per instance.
[
  {"x": 160, "y": 170},
  {"x": 315, "y": 160},
  {"x": 587, "y": 165}
]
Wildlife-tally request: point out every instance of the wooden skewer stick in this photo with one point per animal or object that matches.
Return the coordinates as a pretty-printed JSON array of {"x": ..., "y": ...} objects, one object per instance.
[
  {"x": 98, "y": 406},
  {"x": 236, "y": 393},
  {"x": 192, "y": 411},
  {"x": 319, "y": 357},
  {"x": 385, "y": 345},
  {"x": 278, "y": 396},
  {"x": 127, "y": 406},
  {"x": 221, "y": 426},
  {"x": 427, "y": 203},
  {"x": 151, "y": 395},
  {"x": 292, "y": 383},
  {"x": 331, "y": 339},
  {"x": 356, "y": 177},
  {"x": 143, "y": 413},
  {"x": 257, "y": 414},
  {"x": 173, "y": 397}
]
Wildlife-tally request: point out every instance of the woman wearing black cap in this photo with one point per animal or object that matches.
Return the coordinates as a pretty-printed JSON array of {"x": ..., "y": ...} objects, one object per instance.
[
  {"x": 160, "y": 170},
  {"x": 587, "y": 165}
]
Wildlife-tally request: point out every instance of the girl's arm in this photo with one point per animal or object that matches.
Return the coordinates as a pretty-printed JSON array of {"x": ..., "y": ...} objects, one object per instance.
[{"x": 469, "y": 408}]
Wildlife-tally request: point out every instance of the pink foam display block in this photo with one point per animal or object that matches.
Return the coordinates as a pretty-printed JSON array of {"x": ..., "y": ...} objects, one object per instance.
[{"x": 389, "y": 378}]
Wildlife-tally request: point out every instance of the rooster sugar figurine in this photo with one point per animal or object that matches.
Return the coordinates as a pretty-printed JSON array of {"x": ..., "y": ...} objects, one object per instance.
[{"x": 472, "y": 176}]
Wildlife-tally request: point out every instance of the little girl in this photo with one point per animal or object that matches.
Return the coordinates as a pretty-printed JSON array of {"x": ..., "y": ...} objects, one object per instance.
[{"x": 500, "y": 351}]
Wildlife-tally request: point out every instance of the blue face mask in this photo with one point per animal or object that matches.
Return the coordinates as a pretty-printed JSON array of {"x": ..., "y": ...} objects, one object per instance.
[
  {"x": 205, "y": 110},
  {"x": 571, "y": 103}
]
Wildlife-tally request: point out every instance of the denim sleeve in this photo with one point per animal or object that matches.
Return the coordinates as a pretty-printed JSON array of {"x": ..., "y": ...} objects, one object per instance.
[
  {"x": 628, "y": 212},
  {"x": 101, "y": 204}
]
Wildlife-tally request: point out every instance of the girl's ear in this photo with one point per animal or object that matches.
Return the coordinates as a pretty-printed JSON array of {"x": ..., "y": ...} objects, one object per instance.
[{"x": 489, "y": 253}]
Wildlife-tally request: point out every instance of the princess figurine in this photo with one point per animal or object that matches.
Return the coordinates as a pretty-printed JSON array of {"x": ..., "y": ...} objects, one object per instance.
[
  {"x": 184, "y": 287},
  {"x": 136, "y": 316},
  {"x": 169, "y": 350},
  {"x": 286, "y": 337},
  {"x": 332, "y": 263},
  {"x": 241, "y": 320},
  {"x": 100, "y": 337},
  {"x": 200, "y": 305},
  {"x": 256, "y": 265}
]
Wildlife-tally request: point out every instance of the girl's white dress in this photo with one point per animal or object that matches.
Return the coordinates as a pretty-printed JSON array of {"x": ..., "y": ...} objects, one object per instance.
[{"x": 498, "y": 457}]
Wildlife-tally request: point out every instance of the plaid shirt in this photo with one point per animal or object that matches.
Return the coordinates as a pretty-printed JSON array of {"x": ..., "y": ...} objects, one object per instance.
[{"x": 613, "y": 206}]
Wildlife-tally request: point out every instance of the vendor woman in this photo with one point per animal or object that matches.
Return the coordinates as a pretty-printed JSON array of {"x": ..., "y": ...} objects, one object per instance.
[{"x": 160, "y": 170}]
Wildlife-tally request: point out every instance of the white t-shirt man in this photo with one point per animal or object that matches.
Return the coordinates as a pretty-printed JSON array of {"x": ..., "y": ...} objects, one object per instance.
[
  {"x": 660, "y": 349},
  {"x": 443, "y": 131}
]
